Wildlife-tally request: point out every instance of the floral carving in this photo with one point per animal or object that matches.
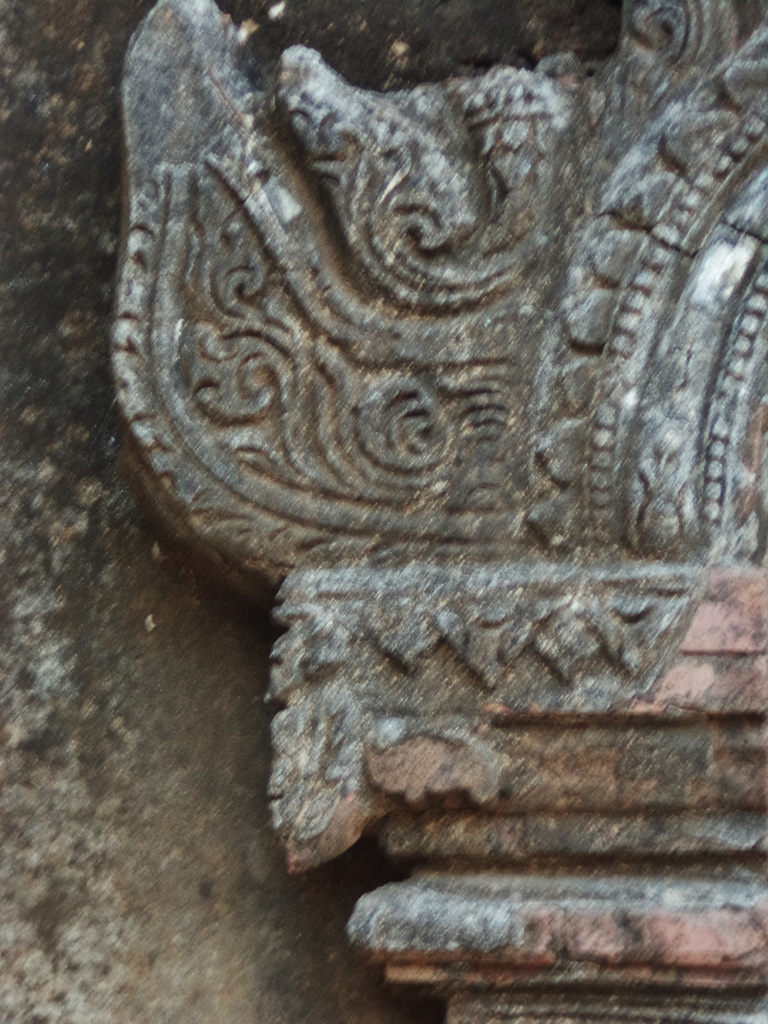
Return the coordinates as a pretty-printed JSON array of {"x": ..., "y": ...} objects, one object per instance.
[{"x": 339, "y": 350}]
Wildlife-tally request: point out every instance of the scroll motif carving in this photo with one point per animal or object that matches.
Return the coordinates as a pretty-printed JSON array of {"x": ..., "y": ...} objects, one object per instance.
[
  {"x": 477, "y": 372},
  {"x": 434, "y": 188},
  {"x": 357, "y": 326}
]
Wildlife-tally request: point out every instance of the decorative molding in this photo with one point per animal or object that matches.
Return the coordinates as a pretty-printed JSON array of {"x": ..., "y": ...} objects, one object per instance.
[
  {"x": 431, "y": 327},
  {"x": 476, "y": 374}
]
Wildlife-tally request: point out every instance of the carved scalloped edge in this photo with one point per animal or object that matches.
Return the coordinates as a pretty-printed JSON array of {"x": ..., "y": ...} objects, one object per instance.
[
  {"x": 487, "y": 616},
  {"x": 341, "y": 752},
  {"x": 153, "y": 448}
]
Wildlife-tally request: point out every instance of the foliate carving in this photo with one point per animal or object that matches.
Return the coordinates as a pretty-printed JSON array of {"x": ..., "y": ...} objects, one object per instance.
[
  {"x": 569, "y": 625},
  {"x": 478, "y": 371},
  {"x": 382, "y": 670},
  {"x": 662, "y": 257},
  {"x": 359, "y": 346},
  {"x": 321, "y": 801},
  {"x": 369, "y": 328},
  {"x": 433, "y": 189}
]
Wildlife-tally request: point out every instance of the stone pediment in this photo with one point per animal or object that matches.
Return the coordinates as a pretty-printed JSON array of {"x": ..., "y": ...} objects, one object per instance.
[
  {"x": 512, "y": 315},
  {"x": 476, "y": 371}
]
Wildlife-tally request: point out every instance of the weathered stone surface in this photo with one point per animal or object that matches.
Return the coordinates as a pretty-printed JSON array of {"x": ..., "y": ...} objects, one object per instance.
[
  {"x": 567, "y": 930},
  {"x": 139, "y": 881},
  {"x": 324, "y": 348},
  {"x": 479, "y": 366}
]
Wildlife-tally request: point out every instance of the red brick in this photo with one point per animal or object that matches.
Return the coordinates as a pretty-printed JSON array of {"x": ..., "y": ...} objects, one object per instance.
[
  {"x": 415, "y": 768},
  {"x": 712, "y": 685},
  {"x": 733, "y": 618}
]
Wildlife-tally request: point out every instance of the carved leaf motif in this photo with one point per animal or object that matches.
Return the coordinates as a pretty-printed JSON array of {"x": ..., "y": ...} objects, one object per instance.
[
  {"x": 565, "y": 640},
  {"x": 514, "y": 638},
  {"x": 552, "y": 519},
  {"x": 234, "y": 379},
  {"x": 403, "y": 631},
  {"x": 455, "y": 629},
  {"x": 663, "y": 499},
  {"x": 610, "y": 253},
  {"x": 226, "y": 273},
  {"x": 665, "y": 25},
  {"x": 327, "y": 650},
  {"x": 682, "y": 141},
  {"x": 352, "y": 347},
  {"x": 315, "y": 649},
  {"x": 431, "y": 760},
  {"x": 588, "y": 316},
  {"x": 630, "y": 628},
  {"x": 475, "y": 646},
  {"x": 320, "y": 799},
  {"x": 401, "y": 425},
  {"x": 641, "y": 201},
  {"x": 401, "y": 186}
]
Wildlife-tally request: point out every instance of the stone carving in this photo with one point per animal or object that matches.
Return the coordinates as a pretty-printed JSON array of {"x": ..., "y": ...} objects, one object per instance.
[
  {"x": 411, "y": 688},
  {"x": 478, "y": 370}
]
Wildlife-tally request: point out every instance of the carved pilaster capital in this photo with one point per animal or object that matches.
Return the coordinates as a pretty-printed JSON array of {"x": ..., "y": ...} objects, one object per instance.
[{"x": 476, "y": 372}]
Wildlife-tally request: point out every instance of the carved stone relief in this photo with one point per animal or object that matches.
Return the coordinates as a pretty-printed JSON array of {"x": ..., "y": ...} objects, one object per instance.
[{"x": 477, "y": 373}]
